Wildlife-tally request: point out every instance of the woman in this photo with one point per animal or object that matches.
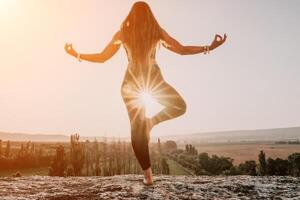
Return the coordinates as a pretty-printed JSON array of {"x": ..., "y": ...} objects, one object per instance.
[{"x": 140, "y": 35}]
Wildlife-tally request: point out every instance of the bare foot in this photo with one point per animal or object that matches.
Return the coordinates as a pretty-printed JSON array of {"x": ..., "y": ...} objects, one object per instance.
[{"x": 148, "y": 180}]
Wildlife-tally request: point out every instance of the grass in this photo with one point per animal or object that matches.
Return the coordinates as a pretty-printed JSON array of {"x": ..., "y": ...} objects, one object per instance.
[
  {"x": 243, "y": 152},
  {"x": 175, "y": 168},
  {"x": 41, "y": 171}
]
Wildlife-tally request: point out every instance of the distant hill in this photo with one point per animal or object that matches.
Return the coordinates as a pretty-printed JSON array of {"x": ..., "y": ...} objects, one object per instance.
[
  {"x": 276, "y": 134},
  {"x": 48, "y": 137},
  {"x": 33, "y": 137}
]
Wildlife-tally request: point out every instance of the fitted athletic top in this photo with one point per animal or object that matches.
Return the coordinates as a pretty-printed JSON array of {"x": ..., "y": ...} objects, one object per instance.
[{"x": 151, "y": 54}]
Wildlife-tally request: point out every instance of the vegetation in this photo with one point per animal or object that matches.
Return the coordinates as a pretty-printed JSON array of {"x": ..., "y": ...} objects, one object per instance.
[
  {"x": 203, "y": 164},
  {"x": 85, "y": 158},
  {"x": 176, "y": 168},
  {"x": 248, "y": 168},
  {"x": 58, "y": 165},
  {"x": 213, "y": 165},
  {"x": 103, "y": 159},
  {"x": 262, "y": 168},
  {"x": 243, "y": 151},
  {"x": 288, "y": 142},
  {"x": 28, "y": 155}
]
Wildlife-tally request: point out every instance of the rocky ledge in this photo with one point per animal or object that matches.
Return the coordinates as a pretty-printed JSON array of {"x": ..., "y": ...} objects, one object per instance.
[{"x": 165, "y": 187}]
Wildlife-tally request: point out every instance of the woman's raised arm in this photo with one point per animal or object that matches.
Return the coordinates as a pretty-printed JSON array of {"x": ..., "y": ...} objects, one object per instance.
[
  {"x": 173, "y": 45},
  {"x": 106, "y": 54}
]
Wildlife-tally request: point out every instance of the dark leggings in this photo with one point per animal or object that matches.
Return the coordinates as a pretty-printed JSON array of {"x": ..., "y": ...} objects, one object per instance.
[
  {"x": 140, "y": 146},
  {"x": 163, "y": 93}
]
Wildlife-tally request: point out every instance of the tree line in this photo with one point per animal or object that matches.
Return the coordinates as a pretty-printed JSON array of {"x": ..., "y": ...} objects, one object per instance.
[
  {"x": 28, "y": 155},
  {"x": 204, "y": 164},
  {"x": 102, "y": 159}
]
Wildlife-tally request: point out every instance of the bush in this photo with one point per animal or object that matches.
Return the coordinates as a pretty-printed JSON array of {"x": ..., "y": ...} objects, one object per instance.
[
  {"x": 213, "y": 165},
  {"x": 17, "y": 174},
  {"x": 232, "y": 171},
  {"x": 248, "y": 168},
  {"x": 278, "y": 167},
  {"x": 294, "y": 164}
]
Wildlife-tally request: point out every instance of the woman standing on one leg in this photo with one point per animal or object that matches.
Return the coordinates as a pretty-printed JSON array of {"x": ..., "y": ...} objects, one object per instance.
[{"x": 140, "y": 34}]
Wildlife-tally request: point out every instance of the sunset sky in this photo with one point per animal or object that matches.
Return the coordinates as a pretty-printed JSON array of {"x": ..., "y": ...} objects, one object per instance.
[{"x": 251, "y": 82}]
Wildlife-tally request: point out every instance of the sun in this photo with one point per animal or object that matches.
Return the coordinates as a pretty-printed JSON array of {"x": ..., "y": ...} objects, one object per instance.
[
  {"x": 147, "y": 100},
  {"x": 145, "y": 95}
]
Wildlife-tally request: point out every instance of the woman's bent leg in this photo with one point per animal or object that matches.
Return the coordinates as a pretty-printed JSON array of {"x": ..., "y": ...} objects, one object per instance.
[{"x": 173, "y": 102}]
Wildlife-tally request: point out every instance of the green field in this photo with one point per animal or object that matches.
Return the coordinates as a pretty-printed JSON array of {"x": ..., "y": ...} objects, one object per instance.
[
  {"x": 242, "y": 152},
  {"x": 175, "y": 168}
]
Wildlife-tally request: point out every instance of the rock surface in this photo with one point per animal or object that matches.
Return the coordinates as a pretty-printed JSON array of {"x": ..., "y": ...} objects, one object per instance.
[{"x": 165, "y": 187}]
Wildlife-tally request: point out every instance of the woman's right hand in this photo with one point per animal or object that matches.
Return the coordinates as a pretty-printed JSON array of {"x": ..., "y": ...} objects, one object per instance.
[
  {"x": 218, "y": 41},
  {"x": 69, "y": 49}
]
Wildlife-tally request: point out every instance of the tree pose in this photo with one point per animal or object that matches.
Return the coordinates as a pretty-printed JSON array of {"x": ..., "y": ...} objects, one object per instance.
[{"x": 140, "y": 34}]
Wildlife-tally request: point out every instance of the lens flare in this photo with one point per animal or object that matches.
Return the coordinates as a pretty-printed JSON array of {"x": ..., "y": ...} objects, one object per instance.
[
  {"x": 147, "y": 100},
  {"x": 145, "y": 94}
]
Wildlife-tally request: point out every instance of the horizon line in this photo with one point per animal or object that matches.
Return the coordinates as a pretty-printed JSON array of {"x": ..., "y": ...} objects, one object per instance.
[{"x": 84, "y": 136}]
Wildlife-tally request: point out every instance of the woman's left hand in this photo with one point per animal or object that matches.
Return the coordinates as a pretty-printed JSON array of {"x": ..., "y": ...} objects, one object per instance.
[
  {"x": 69, "y": 49},
  {"x": 218, "y": 41}
]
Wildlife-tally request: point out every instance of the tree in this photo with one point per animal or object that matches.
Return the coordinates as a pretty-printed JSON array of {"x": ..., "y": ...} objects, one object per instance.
[
  {"x": 76, "y": 154},
  {"x": 87, "y": 156},
  {"x": 294, "y": 164},
  {"x": 21, "y": 152},
  {"x": 32, "y": 148},
  {"x": 170, "y": 145},
  {"x": 160, "y": 162},
  {"x": 195, "y": 151},
  {"x": 248, "y": 167},
  {"x": 203, "y": 164},
  {"x": 262, "y": 169},
  {"x": 40, "y": 155},
  {"x": 282, "y": 167},
  {"x": 97, "y": 169},
  {"x": 158, "y": 146},
  {"x": 59, "y": 163},
  {"x": 278, "y": 167},
  {"x": 129, "y": 158},
  {"x": 187, "y": 148},
  {"x": 119, "y": 156},
  {"x": 220, "y": 164},
  {"x": 165, "y": 166},
  {"x": 7, "y": 150},
  {"x": 213, "y": 165},
  {"x": 190, "y": 149},
  {"x": 104, "y": 157}
]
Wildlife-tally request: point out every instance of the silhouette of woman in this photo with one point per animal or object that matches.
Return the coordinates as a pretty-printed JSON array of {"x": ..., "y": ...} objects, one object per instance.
[{"x": 140, "y": 35}]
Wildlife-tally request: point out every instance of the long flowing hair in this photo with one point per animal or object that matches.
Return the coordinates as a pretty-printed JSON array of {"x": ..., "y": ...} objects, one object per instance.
[{"x": 140, "y": 31}]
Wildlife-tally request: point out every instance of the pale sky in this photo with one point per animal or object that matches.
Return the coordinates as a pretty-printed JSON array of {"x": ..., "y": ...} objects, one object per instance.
[{"x": 251, "y": 82}]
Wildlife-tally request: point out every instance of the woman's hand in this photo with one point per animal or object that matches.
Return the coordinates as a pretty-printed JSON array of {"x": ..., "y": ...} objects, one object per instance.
[
  {"x": 69, "y": 49},
  {"x": 218, "y": 41}
]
